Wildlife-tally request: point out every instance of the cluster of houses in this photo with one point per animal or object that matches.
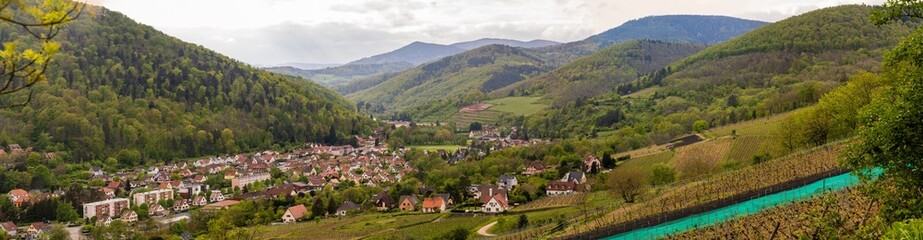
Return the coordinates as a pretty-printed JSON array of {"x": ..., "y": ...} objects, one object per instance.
[
  {"x": 33, "y": 231},
  {"x": 14, "y": 154},
  {"x": 573, "y": 181}
]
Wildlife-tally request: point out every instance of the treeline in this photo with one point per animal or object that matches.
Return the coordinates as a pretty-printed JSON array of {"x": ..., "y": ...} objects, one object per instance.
[{"x": 118, "y": 85}]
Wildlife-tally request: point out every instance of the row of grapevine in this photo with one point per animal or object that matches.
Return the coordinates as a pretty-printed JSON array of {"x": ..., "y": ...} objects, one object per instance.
[
  {"x": 842, "y": 212},
  {"x": 697, "y": 195}
]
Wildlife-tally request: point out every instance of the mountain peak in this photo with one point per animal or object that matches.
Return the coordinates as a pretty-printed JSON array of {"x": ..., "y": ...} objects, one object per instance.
[{"x": 701, "y": 29}]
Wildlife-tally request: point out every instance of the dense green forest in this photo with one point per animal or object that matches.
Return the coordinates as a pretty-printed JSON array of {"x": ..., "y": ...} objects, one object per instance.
[
  {"x": 774, "y": 69},
  {"x": 119, "y": 86}
]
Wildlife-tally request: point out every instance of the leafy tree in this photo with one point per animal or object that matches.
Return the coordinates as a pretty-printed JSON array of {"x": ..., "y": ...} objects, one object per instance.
[
  {"x": 607, "y": 161},
  {"x": 67, "y": 213},
  {"x": 58, "y": 232},
  {"x": 475, "y": 126},
  {"x": 43, "y": 20},
  {"x": 627, "y": 183},
  {"x": 909, "y": 229},
  {"x": 700, "y": 126},
  {"x": 662, "y": 174},
  {"x": 890, "y": 134}
]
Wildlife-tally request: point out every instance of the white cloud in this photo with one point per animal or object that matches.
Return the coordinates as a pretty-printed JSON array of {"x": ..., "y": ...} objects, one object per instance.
[{"x": 276, "y": 31}]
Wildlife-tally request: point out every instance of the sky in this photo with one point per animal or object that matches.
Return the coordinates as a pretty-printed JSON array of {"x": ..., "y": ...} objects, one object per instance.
[{"x": 271, "y": 32}]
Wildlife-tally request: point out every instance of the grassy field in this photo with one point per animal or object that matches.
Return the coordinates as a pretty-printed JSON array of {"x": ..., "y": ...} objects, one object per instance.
[
  {"x": 346, "y": 227},
  {"x": 767, "y": 126},
  {"x": 647, "y": 92},
  {"x": 437, "y": 147},
  {"x": 437, "y": 228},
  {"x": 518, "y": 105}
]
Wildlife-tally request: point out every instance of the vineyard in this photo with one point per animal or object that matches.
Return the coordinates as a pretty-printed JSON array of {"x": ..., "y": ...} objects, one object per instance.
[
  {"x": 552, "y": 201},
  {"x": 642, "y": 152},
  {"x": 848, "y": 210},
  {"x": 463, "y": 120},
  {"x": 767, "y": 126},
  {"x": 345, "y": 228},
  {"x": 646, "y": 162},
  {"x": 690, "y": 197},
  {"x": 434, "y": 229},
  {"x": 745, "y": 147},
  {"x": 701, "y": 158}
]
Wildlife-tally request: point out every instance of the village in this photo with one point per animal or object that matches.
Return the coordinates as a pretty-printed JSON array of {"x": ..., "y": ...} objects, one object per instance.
[{"x": 168, "y": 192}]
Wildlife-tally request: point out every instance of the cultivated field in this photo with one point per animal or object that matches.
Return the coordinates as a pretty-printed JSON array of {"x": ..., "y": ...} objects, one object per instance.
[
  {"x": 720, "y": 187},
  {"x": 464, "y": 119},
  {"x": 793, "y": 221}
]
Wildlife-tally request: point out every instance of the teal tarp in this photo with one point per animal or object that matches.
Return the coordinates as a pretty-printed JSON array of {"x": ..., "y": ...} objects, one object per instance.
[{"x": 834, "y": 183}]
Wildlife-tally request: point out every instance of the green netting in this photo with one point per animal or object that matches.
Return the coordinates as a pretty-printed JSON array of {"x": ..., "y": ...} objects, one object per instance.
[{"x": 755, "y": 205}]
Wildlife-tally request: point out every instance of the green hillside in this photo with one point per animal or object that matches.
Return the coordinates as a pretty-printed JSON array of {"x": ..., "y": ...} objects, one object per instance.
[
  {"x": 774, "y": 69},
  {"x": 601, "y": 71},
  {"x": 435, "y": 89},
  {"x": 119, "y": 87}
]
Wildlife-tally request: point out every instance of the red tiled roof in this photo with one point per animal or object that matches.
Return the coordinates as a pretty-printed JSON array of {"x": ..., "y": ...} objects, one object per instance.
[
  {"x": 298, "y": 211},
  {"x": 434, "y": 202}
]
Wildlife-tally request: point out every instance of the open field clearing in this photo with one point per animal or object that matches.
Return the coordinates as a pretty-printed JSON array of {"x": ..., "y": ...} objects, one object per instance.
[
  {"x": 518, "y": 105},
  {"x": 644, "y": 93}
]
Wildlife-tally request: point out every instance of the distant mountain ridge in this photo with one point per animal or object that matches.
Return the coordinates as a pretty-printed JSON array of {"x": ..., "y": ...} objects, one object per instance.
[
  {"x": 395, "y": 61},
  {"x": 422, "y": 91},
  {"x": 496, "y": 41},
  {"x": 421, "y": 52},
  {"x": 699, "y": 29}
]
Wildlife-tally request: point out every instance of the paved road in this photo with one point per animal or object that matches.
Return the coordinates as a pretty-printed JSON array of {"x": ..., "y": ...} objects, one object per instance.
[
  {"x": 174, "y": 218},
  {"x": 483, "y": 230},
  {"x": 75, "y": 233}
]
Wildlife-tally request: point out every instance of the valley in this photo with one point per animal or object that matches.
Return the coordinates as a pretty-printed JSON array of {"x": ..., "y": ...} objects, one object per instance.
[{"x": 663, "y": 127}]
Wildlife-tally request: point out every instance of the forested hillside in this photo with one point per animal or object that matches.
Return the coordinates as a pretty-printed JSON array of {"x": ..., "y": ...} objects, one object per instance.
[
  {"x": 774, "y": 69},
  {"x": 602, "y": 70},
  {"x": 121, "y": 88},
  {"x": 436, "y": 89},
  {"x": 694, "y": 29}
]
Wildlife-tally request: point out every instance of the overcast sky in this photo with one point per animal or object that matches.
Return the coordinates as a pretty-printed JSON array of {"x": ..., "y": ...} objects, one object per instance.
[{"x": 338, "y": 31}]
